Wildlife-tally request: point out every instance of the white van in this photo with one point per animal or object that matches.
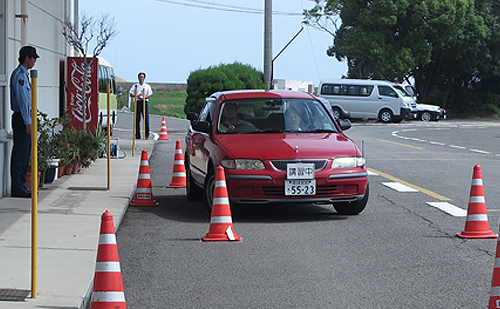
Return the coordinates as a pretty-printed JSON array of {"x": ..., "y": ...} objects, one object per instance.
[{"x": 372, "y": 99}]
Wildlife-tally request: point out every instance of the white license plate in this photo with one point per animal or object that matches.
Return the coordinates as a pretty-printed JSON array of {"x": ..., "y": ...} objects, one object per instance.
[{"x": 300, "y": 187}]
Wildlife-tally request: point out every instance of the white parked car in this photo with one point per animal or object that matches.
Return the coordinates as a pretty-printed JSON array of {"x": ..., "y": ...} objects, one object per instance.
[{"x": 427, "y": 112}]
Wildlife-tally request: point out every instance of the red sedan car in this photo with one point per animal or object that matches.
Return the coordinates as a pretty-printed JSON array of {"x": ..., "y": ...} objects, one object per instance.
[{"x": 275, "y": 146}]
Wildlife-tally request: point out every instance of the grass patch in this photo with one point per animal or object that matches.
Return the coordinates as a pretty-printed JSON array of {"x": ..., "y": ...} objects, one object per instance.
[{"x": 169, "y": 103}]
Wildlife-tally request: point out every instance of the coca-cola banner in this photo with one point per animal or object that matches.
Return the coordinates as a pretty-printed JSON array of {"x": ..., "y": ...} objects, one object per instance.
[{"x": 76, "y": 108}]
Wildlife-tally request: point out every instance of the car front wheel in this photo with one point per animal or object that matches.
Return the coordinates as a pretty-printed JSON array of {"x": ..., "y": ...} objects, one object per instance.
[
  {"x": 425, "y": 116},
  {"x": 386, "y": 116},
  {"x": 352, "y": 208}
]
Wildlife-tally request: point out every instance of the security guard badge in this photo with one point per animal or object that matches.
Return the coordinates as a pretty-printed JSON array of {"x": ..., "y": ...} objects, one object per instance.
[{"x": 21, "y": 82}]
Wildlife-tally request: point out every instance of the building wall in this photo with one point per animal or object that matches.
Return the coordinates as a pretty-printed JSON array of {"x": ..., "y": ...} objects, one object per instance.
[
  {"x": 297, "y": 85},
  {"x": 43, "y": 31}
]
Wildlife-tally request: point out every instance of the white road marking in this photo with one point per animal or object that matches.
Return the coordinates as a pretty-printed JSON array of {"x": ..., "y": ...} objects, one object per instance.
[
  {"x": 399, "y": 187},
  {"x": 449, "y": 209}
]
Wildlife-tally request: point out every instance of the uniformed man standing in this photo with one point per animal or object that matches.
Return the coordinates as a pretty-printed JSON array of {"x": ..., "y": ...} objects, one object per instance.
[{"x": 20, "y": 103}]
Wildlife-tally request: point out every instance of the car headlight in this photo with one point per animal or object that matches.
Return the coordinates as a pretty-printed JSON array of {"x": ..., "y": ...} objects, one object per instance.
[
  {"x": 348, "y": 162},
  {"x": 243, "y": 164}
]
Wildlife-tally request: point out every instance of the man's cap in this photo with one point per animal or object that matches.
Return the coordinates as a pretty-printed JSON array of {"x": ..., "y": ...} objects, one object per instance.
[{"x": 29, "y": 51}]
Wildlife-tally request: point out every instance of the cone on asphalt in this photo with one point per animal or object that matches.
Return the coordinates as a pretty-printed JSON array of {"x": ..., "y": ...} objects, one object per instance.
[
  {"x": 221, "y": 223},
  {"x": 163, "y": 130},
  {"x": 144, "y": 190},
  {"x": 108, "y": 284},
  {"x": 179, "y": 174},
  {"x": 495, "y": 281},
  {"x": 477, "y": 225}
]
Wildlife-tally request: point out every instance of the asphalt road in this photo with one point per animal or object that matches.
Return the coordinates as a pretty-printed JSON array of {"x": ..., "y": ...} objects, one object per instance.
[{"x": 399, "y": 253}]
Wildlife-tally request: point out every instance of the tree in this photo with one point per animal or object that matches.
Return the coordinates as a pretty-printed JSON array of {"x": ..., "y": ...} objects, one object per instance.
[
  {"x": 449, "y": 47},
  {"x": 202, "y": 83},
  {"x": 82, "y": 35}
]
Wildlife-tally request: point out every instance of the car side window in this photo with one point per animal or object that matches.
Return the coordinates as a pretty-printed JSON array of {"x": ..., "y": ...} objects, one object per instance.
[{"x": 387, "y": 91}]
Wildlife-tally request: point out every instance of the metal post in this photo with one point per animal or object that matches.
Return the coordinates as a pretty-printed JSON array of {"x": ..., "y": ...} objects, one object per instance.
[
  {"x": 144, "y": 112},
  {"x": 34, "y": 182},
  {"x": 133, "y": 125},
  {"x": 109, "y": 136},
  {"x": 268, "y": 43}
]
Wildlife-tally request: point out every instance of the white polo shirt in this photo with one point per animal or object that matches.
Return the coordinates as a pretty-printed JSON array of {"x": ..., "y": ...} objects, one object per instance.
[{"x": 147, "y": 90}]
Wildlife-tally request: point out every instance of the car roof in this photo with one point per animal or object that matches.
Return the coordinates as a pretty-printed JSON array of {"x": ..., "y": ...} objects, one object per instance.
[
  {"x": 347, "y": 81},
  {"x": 261, "y": 93}
]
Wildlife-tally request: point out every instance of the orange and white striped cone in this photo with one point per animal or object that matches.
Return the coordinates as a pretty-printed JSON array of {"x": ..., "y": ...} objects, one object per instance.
[
  {"x": 221, "y": 223},
  {"x": 495, "y": 281},
  {"x": 163, "y": 130},
  {"x": 108, "y": 284},
  {"x": 477, "y": 225},
  {"x": 144, "y": 190},
  {"x": 179, "y": 174}
]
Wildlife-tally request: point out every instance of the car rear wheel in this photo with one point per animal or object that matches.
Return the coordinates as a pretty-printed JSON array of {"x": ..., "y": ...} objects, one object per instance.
[
  {"x": 337, "y": 113},
  {"x": 425, "y": 116},
  {"x": 386, "y": 116},
  {"x": 193, "y": 191},
  {"x": 209, "y": 188},
  {"x": 352, "y": 208}
]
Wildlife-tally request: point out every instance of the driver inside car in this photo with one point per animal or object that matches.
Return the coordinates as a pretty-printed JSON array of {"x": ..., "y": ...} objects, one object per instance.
[{"x": 232, "y": 123}]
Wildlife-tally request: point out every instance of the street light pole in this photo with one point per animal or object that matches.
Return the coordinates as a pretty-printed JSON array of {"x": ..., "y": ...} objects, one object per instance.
[{"x": 268, "y": 43}]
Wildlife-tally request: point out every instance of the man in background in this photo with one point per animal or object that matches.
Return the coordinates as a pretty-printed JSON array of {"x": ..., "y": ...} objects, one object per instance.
[{"x": 137, "y": 89}]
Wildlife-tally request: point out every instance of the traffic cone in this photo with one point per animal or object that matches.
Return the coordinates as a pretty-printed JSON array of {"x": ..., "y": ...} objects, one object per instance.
[
  {"x": 108, "y": 284},
  {"x": 495, "y": 281},
  {"x": 163, "y": 130},
  {"x": 179, "y": 174},
  {"x": 144, "y": 190},
  {"x": 221, "y": 224},
  {"x": 477, "y": 225}
]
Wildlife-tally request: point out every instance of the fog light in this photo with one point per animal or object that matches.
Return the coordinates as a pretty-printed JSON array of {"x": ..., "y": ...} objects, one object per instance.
[
  {"x": 350, "y": 189},
  {"x": 245, "y": 191}
]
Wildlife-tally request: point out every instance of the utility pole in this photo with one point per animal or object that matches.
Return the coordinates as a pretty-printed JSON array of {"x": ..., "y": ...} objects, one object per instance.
[{"x": 268, "y": 44}]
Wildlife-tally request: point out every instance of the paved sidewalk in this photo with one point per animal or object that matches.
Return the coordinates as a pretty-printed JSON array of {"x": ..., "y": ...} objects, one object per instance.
[{"x": 69, "y": 218}]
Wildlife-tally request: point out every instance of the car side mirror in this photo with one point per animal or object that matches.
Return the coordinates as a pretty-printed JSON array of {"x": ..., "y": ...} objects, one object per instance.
[
  {"x": 345, "y": 124},
  {"x": 202, "y": 126},
  {"x": 192, "y": 116},
  {"x": 345, "y": 115}
]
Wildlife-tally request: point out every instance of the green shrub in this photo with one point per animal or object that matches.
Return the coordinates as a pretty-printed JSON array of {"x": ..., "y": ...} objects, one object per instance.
[{"x": 202, "y": 83}]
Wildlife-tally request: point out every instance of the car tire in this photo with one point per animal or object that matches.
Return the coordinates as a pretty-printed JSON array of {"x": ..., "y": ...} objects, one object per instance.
[
  {"x": 194, "y": 192},
  {"x": 352, "y": 208},
  {"x": 209, "y": 188},
  {"x": 386, "y": 116},
  {"x": 337, "y": 113},
  {"x": 425, "y": 116}
]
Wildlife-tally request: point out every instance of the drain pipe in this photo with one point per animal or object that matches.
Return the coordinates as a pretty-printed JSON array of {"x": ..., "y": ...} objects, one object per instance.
[{"x": 24, "y": 23}]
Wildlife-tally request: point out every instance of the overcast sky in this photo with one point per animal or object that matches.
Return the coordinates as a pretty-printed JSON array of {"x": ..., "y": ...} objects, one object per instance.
[{"x": 168, "y": 39}]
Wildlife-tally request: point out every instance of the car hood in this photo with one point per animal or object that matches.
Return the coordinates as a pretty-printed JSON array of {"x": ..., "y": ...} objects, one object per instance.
[
  {"x": 424, "y": 107},
  {"x": 284, "y": 145}
]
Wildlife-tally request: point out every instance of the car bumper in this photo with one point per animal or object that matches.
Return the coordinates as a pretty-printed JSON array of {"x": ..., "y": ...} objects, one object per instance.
[{"x": 263, "y": 189}]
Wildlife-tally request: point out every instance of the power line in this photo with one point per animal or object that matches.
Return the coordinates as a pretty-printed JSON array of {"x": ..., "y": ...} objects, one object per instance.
[{"x": 224, "y": 7}]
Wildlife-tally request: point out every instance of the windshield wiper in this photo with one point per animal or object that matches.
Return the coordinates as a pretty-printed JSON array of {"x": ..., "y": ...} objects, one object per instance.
[
  {"x": 321, "y": 131},
  {"x": 271, "y": 130}
]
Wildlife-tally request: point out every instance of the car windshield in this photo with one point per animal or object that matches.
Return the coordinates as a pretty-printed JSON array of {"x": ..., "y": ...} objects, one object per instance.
[
  {"x": 402, "y": 91},
  {"x": 274, "y": 116}
]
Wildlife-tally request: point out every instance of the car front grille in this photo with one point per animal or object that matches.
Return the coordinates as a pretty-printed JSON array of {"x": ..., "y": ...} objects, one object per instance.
[{"x": 280, "y": 165}]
